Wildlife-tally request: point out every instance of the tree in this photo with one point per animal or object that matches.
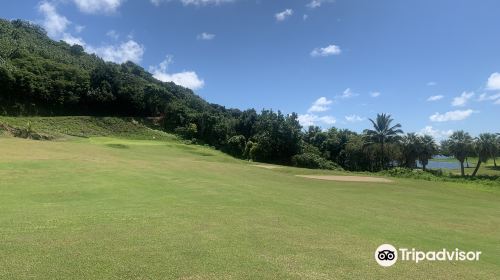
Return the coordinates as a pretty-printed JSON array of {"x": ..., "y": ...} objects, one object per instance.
[
  {"x": 427, "y": 149},
  {"x": 490, "y": 141},
  {"x": 482, "y": 146},
  {"x": 383, "y": 133},
  {"x": 459, "y": 145},
  {"x": 410, "y": 144}
]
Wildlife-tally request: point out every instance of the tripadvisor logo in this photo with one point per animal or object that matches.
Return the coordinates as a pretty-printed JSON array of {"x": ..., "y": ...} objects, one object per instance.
[{"x": 386, "y": 255}]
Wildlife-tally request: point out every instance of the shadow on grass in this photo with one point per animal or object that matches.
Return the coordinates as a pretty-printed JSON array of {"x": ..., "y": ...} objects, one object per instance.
[
  {"x": 117, "y": 146},
  {"x": 496, "y": 168}
]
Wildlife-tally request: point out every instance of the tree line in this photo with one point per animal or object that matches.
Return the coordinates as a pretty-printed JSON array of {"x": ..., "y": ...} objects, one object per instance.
[{"x": 39, "y": 76}]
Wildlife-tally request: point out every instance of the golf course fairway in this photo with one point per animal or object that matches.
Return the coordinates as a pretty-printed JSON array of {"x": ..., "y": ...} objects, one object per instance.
[{"x": 109, "y": 208}]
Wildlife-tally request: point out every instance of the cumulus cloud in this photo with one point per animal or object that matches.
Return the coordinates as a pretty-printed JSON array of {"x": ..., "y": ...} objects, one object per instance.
[
  {"x": 281, "y": 16},
  {"x": 435, "y": 98},
  {"x": 72, "y": 40},
  {"x": 188, "y": 79},
  {"x": 54, "y": 23},
  {"x": 317, "y": 3},
  {"x": 326, "y": 51},
  {"x": 205, "y": 36},
  {"x": 348, "y": 93},
  {"x": 98, "y": 6},
  {"x": 461, "y": 100},
  {"x": 79, "y": 28},
  {"x": 322, "y": 104},
  {"x": 436, "y": 133},
  {"x": 113, "y": 34},
  {"x": 354, "y": 118},
  {"x": 57, "y": 25},
  {"x": 123, "y": 52},
  {"x": 311, "y": 119},
  {"x": 194, "y": 2},
  {"x": 487, "y": 97},
  {"x": 431, "y": 84},
  {"x": 457, "y": 115},
  {"x": 494, "y": 81},
  {"x": 375, "y": 94}
]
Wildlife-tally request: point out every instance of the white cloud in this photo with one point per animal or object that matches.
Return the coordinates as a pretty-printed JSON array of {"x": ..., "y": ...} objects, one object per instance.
[
  {"x": 194, "y": 2},
  {"x": 494, "y": 81},
  {"x": 354, "y": 118},
  {"x": 283, "y": 15},
  {"x": 457, "y": 115},
  {"x": 126, "y": 51},
  {"x": 436, "y": 133},
  {"x": 320, "y": 105},
  {"x": 70, "y": 39},
  {"x": 79, "y": 28},
  {"x": 317, "y": 3},
  {"x": 98, "y": 6},
  {"x": 431, "y": 84},
  {"x": 54, "y": 23},
  {"x": 461, "y": 100},
  {"x": 188, "y": 79},
  {"x": 205, "y": 36},
  {"x": 329, "y": 120},
  {"x": 113, "y": 34},
  {"x": 311, "y": 119},
  {"x": 497, "y": 102},
  {"x": 348, "y": 93},
  {"x": 375, "y": 94},
  {"x": 56, "y": 26},
  {"x": 305, "y": 17},
  {"x": 486, "y": 97},
  {"x": 435, "y": 98},
  {"x": 326, "y": 51}
]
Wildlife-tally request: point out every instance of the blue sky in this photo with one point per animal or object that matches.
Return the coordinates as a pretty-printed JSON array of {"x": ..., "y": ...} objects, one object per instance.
[{"x": 433, "y": 65}]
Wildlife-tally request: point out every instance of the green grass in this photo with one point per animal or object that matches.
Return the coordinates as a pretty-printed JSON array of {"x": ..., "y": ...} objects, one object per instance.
[
  {"x": 62, "y": 127},
  {"x": 118, "y": 208},
  {"x": 108, "y": 208}
]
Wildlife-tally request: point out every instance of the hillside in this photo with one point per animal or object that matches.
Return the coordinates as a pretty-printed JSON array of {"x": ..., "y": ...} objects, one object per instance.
[
  {"x": 41, "y": 77},
  {"x": 84, "y": 127}
]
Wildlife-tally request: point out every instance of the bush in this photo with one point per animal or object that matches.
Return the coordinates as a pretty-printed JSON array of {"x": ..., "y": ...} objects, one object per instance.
[
  {"x": 439, "y": 175},
  {"x": 313, "y": 161},
  {"x": 236, "y": 145}
]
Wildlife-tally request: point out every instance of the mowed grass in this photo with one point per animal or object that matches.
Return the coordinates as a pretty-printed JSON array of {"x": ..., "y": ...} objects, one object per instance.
[{"x": 106, "y": 208}]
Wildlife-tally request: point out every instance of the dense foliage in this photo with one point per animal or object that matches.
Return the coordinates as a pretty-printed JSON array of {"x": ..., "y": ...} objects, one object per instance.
[{"x": 41, "y": 77}]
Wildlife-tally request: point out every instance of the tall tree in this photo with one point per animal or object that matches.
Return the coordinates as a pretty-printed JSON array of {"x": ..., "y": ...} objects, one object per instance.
[
  {"x": 459, "y": 145},
  {"x": 482, "y": 146},
  {"x": 383, "y": 132},
  {"x": 410, "y": 144},
  {"x": 427, "y": 149}
]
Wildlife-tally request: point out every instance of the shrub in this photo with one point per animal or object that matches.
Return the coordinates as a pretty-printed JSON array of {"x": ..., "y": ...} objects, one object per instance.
[
  {"x": 313, "y": 161},
  {"x": 236, "y": 145}
]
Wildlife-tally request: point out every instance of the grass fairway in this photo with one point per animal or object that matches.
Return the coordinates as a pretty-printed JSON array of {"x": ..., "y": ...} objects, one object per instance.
[{"x": 105, "y": 208}]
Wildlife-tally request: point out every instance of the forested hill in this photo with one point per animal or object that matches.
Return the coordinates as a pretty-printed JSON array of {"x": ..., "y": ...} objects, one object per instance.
[
  {"x": 42, "y": 77},
  {"x": 39, "y": 76}
]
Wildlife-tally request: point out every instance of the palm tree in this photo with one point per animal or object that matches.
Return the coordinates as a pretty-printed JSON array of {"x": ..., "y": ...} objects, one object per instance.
[
  {"x": 410, "y": 144},
  {"x": 459, "y": 145},
  {"x": 428, "y": 148},
  {"x": 383, "y": 132},
  {"x": 482, "y": 146},
  {"x": 495, "y": 148}
]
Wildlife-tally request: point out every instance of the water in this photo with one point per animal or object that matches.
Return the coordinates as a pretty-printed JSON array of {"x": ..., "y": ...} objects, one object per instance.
[{"x": 444, "y": 164}]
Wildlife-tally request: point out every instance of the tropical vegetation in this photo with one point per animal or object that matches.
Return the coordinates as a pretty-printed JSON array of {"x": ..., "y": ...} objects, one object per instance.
[{"x": 41, "y": 77}]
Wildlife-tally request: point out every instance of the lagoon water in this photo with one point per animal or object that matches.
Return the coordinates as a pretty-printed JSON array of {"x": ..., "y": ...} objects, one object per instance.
[{"x": 444, "y": 165}]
